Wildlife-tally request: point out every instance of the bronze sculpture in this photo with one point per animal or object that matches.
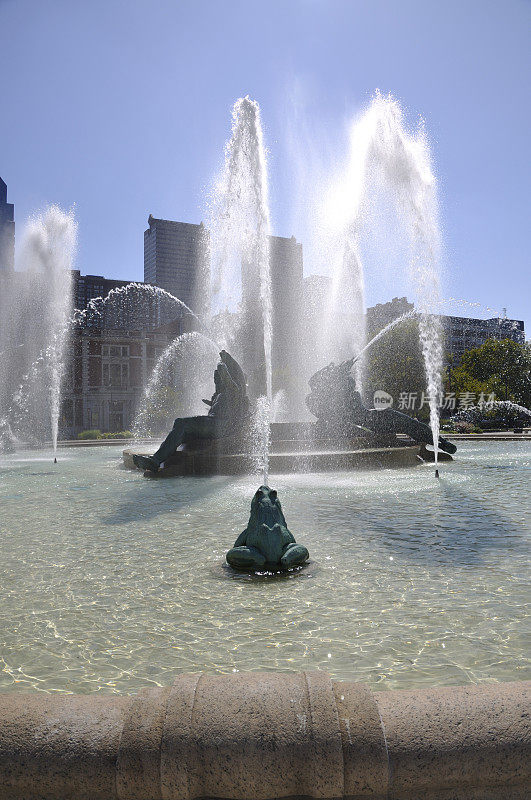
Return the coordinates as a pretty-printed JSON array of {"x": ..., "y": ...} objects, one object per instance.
[
  {"x": 337, "y": 404},
  {"x": 266, "y": 543},
  {"x": 228, "y": 413}
]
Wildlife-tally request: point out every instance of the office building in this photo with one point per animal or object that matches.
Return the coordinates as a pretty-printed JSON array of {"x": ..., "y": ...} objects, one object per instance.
[
  {"x": 174, "y": 254},
  {"x": 465, "y": 333},
  {"x": 87, "y": 287},
  {"x": 460, "y": 333},
  {"x": 108, "y": 370},
  {"x": 7, "y": 231}
]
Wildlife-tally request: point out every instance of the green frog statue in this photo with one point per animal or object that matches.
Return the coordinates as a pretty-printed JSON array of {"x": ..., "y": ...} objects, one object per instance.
[{"x": 266, "y": 543}]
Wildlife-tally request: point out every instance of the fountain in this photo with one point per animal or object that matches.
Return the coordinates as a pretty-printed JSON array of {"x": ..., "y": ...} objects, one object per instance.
[
  {"x": 113, "y": 582},
  {"x": 37, "y": 305},
  {"x": 239, "y": 288},
  {"x": 383, "y": 150}
]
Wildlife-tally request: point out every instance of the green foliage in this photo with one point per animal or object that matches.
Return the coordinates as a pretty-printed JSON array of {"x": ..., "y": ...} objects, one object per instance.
[
  {"x": 501, "y": 416},
  {"x": 395, "y": 364},
  {"x": 97, "y": 434},
  {"x": 502, "y": 367},
  {"x": 92, "y": 434}
]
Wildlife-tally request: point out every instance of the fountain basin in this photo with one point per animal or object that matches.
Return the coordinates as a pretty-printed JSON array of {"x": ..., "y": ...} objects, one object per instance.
[
  {"x": 112, "y": 582},
  {"x": 214, "y": 463},
  {"x": 262, "y": 736}
]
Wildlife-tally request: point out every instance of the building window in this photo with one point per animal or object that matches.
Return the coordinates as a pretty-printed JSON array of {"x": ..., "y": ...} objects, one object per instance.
[
  {"x": 116, "y": 416},
  {"x": 116, "y": 351},
  {"x": 115, "y": 374}
]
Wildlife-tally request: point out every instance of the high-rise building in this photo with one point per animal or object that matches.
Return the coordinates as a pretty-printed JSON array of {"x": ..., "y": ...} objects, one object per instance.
[
  {"x": 286, "y": 268},
  {"x": 87, "y": 287},
  {"x": 466, "y": 333},
  {"x": 460, "y": 333},
  {"x": 7, "y": 230},
  {"x": 173, "y": 256}
]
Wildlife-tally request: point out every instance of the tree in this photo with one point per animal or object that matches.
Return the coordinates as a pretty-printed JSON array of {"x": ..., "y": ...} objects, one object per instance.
[
  {"x": 502, "y": 367},
  {"x": 395, "y": 364}
]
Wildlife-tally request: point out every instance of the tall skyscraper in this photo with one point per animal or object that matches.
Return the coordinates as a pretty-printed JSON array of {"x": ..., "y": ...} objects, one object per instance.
[
  {"x": 286, "y": 266},
  {"x": 7, "y": 230},
  {"x": 173, "y": 256}
]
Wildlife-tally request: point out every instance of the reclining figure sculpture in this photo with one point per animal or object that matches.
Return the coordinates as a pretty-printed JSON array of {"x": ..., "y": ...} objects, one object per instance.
[
  {"x": 338, "y": 407},
  {"x": 266, "y": 543},
  {"x": 227, "y": 415}
]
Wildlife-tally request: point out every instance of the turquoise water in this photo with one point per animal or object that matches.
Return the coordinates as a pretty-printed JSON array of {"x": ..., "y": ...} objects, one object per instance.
[{"x": 110, "y": 582}]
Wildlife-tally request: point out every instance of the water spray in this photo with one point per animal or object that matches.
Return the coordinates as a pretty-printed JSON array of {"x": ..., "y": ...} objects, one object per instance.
[
  {"x": 240, "y": 227},
  {"x": 382, "y": 147}
]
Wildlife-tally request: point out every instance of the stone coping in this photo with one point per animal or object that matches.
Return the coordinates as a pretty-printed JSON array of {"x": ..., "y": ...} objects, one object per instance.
[
  {"x": 103, "y": 442},
  {"x": 267, "y": 735}
]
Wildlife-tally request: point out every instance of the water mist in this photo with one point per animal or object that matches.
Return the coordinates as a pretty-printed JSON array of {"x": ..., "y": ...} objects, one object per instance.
[
  {"x": 383, "y": 151},
  {"x": 239, "y": 247},
  {"x": 49, "y": 244}
]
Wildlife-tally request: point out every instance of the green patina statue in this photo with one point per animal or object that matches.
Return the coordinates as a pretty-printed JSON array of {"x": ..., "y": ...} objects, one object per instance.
[
  {"x": 266, "y": 543},
  {"x": 337, "y": 404},
  {"x": 228, "y": 414}
]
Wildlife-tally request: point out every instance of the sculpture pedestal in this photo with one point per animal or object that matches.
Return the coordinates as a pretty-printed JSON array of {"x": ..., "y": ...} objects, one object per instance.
[{"x": 295, "y": 447}]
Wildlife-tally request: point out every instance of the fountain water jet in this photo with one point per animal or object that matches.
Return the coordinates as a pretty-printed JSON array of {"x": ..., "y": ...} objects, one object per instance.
[
  {"x": 261, "y": 438},
  {"x": 492, "y": 405},
  {"x": 49, "y": 245},
  {"x": 382, "y": 147},
  {"x": 239, "y": 247},
  {"x": 132, "y": 306},
  {"x": 182, "y": 366},
  {"x": 384, "y": 332}
]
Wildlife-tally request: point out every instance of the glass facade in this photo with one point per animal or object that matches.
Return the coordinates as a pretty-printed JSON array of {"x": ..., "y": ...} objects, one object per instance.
[{"x": 173, "y": 255}]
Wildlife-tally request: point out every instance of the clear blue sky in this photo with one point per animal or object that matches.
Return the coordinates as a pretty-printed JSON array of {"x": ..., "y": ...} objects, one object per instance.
[{"x": 121, "y": 107}]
